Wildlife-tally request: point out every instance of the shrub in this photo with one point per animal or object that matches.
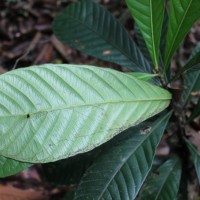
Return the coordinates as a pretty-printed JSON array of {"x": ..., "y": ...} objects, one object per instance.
[{"x": 53, "y": 112}]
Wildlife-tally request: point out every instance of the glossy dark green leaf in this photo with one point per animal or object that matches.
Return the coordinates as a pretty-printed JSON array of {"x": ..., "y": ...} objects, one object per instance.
[
  {"x": 10, "y": 167},
  {"x": 182, "y": 16},
  {"x": 191, "y": 80},
  {"x": 142, "y": 45},
  {"x": 91, "y": 29},
  {"x": 163, "y": 183},
  {"x": 163, "y": 39},
  {"x": 195, "y": 156},
  {"x": 69, "y": 171},
  {"x": 194, "y": 62},
  {"x": 192, "y": 65},
  {"x": 195, "y": 112},
  {"x": 148, "y": 15},
  {"x": 120, "y": 171}
]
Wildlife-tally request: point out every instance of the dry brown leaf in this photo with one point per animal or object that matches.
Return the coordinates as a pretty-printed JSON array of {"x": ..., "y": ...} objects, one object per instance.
[{"x": 11, "y": 193}]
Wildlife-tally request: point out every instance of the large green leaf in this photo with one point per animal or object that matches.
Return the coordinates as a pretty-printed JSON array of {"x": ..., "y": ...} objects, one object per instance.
[
  {"x": 164, "y": 183},
  {"x": 9, "y": 167},
  {"x": 148, "y": 15},
  {"x": 120, "y": 171},
  {"x": 52, "y": 112},
  {"x": 89, "y": 28},
  {"x": 195, "y": 156},
  {"x": 182, "y": 16}
]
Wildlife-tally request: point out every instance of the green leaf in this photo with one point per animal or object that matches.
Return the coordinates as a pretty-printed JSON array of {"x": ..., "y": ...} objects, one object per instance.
[
  {"x": 164, "y": 183},
  {"x": 148, "y": 15},
  {"x": 90, "y": 28},
  {"x": 195, "y": 112},
  {"x": 142, "y": 45},
  {"x": 194, "y": 68},
  {"x": 73, "y": 168},
  {"x": 194, "y": 62},
  {"x": 192, "y": 83},
  {"x": 52, "y": 112},
  {"x": 142, "y": 76},
  {"x": 120, "y": 171},
  {"x": 163, "y": 38},
  {"x": 183, "y": 14},
  {"x": 192, "y": 65},
  {"x": 9, "y": 167},
  {"x": 195, "y": 156},
  {"x": 191, "y": 80}
]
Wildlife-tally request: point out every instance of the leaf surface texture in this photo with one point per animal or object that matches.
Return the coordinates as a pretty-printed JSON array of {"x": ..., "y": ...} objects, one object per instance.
[
  {"x": 148, "y": 15},
  {"x": 119, "y": 172},
  {"x": 183, "y": 14},
  {"x": 51, "y": 112},
  {"x": 90, "y": 28},
  {"x": 164, "y": 183}
]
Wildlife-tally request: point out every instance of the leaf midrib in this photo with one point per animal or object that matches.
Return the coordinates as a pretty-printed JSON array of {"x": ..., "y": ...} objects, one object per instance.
[{"x": 85, "y": 105}]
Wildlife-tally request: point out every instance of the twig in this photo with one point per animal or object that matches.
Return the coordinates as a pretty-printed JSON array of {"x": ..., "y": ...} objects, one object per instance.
[{"x": 30, "y": 48}]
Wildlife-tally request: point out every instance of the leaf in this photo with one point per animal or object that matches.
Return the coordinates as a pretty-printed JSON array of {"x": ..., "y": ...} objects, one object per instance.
[
  {"x": 194, "y": 68},
  {"x": 183, "y": 14},
  {"x": 164, "y": 183},
  {"x": 195, "y": 112},
  {"x": 191, "y": 80},
  {"x": 192, "y": 65},
  {"x": 148, "y": 15},
  {"x": 73, "y": 168},
  {"x": 192, "y": 83},
  {"x": 142, "y": 76},
  {"x": 142, "y": 45},
  {"x": 52, "y": 112},
  {"x": 88, "y": 27},
  {"x": 163, "y": 38},
  {"x": 195, "y": 156},
  {"x": 120, "y": 171},
  {"x": 9, "y": 167},
  {"x": 194, "y": 61}
]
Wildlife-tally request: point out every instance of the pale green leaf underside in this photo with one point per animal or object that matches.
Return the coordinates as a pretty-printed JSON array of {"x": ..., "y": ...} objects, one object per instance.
[
  {"x": 119, "y": 173},
  {"x": 90, "y": 28},
  {"x": 9, "y": 166},
  {"x": 164, "y": 184},
  {"x": 182, "y": 16},
  {"x": 148, "y": 15},
  {"x": 52, "y": 112}
]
